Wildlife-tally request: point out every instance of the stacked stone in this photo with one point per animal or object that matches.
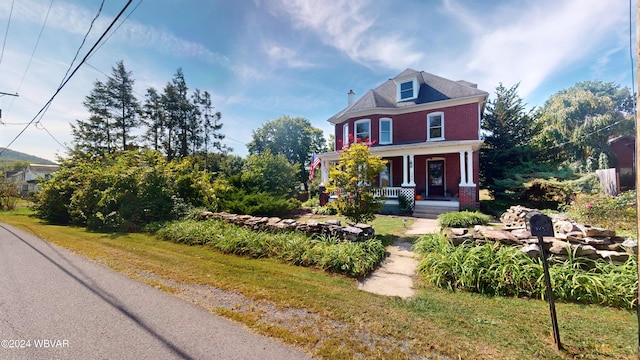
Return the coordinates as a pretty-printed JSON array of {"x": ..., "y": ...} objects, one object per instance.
[
  {"x": 332, "y": 228},
  {"x": 579, "y": 239}
]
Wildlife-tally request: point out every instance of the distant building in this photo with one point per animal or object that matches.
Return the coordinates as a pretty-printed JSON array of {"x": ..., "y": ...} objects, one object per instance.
[
  {"x": 624, "y": 147},
  {"x": 27, "y": 180}
]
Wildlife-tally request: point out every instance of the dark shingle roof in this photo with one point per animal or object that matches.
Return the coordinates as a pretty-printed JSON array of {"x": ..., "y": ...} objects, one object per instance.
[{"x": 433, "y": 88}]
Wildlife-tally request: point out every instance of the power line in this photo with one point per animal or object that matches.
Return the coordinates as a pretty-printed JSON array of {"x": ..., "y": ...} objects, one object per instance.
[
  {"x": 4, "y": 43},
  {"x": 118, "y": 27},
  {"x": 41, "y": 127},
  {"x": 70, "y": 76},
  {"x": 46, "y": 17}
]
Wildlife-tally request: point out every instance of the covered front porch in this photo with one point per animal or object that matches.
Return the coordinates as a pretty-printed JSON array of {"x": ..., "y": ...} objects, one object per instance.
[{"x": 430, "y": 175}]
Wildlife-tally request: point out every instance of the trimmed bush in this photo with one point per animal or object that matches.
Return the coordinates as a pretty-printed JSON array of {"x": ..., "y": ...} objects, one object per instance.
[{"x": 463, "y": 219}]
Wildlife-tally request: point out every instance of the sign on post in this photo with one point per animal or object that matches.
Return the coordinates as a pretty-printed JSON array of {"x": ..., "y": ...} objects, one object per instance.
[{"x": 541, "y": 225}]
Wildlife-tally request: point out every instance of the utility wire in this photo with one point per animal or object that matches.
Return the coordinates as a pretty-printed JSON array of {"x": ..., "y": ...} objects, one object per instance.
[
  {"x": 118, "y": 27},
  {"x": 46, "y": 17},
  {"x": 70, "y": 76},
  {"x": 41, "y": 127},
  {"x": 4, "y": 43}
]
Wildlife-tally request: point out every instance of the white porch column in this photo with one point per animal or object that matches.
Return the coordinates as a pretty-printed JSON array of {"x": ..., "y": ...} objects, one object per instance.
[
  {"x": 470, "y": 168},
  {"x": 412, "y": 167},
  {"x": 324, "y": 178},
  {"x": 404, "y": 170},
  {"x": 463, "y": 168}
]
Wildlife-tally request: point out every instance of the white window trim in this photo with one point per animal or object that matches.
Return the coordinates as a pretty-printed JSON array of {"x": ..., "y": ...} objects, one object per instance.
[
  {"x": 415, "y": 89},
  {"x": 429, "y": 138},
  {"x": 355, "y": 128},
  {"x": 390, "y": 131},
  {"x": 345, "y": 135}
]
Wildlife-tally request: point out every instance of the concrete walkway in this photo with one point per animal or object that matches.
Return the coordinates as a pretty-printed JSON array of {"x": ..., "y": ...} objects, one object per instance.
[{"x": 395, "y": 275}]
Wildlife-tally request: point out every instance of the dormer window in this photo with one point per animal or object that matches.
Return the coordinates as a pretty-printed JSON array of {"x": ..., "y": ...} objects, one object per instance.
[{"x": 407, "y": 90}]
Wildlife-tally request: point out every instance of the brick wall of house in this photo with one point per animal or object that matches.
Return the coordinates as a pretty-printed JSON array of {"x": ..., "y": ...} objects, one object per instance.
[
  {"x": 468, "y": 197},
  {"x": 460, "y": 123}
]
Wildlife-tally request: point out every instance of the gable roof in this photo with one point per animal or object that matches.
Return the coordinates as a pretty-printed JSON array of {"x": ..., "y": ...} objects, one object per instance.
[
  {"x": 43, "y": 169},
  {"x": 433, "y": 88}
]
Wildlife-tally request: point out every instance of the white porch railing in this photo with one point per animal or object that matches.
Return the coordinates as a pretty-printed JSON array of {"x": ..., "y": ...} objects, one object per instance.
[{"x": 388, "y": 192}]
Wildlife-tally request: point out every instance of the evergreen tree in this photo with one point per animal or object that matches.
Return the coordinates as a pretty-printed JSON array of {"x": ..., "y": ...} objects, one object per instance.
[
  {"x": 211, "y": 123},
  {"x": 124, "y": 106},
  {"x": 113, "y": 115},
  {"x": 508, "y": 128},
  {"x": 96, "y": 134},
  {"x": 153, "y": 118}
]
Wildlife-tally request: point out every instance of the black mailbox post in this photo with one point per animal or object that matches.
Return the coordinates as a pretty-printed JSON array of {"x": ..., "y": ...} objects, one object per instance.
[{"x": 540, "y": 225}]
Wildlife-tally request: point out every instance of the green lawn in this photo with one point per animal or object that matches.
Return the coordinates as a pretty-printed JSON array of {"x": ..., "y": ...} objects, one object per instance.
[{"x": 327, "y": 316}]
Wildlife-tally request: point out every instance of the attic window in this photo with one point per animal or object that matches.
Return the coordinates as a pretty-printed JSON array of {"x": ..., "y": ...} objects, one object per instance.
[{"x": 408, "y": 90}]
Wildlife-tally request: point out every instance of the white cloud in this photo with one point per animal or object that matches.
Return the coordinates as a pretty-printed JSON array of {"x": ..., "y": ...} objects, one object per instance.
[
  {"x": 287, "y": 56},
  {"x": 544, "y": 39},
  {"x": 348, "y": 26}
]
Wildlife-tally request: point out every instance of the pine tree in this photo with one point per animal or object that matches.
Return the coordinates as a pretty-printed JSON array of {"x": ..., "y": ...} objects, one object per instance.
[
  {"x": 509, "y": 128},
  {"x": 95, "y": 135},
  {"x": 124, "y": 106}
]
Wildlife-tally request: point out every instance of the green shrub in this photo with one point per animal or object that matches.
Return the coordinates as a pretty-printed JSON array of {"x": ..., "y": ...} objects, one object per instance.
[
  {"x": 463, "y": 219},
  {"x": 617, "y": 212},
  {"x": 503, "y": 270},
  {"x": 355, "y": 259},
  {"x": 312, "y": 202},
  {"x": 262, "y": 204},
  {"x": 123, "y": 191},
  {"x": 325, "y": 210}
]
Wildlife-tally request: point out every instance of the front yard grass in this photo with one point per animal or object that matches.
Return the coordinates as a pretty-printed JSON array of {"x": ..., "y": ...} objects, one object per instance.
[{"x": 330, "y": 318}]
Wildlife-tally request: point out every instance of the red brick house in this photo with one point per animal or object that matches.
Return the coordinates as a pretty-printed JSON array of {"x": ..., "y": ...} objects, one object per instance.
[{"x": 428, "y": 129}]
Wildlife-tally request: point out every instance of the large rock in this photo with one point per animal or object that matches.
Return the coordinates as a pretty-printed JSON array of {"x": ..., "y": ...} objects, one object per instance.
[
  {"x": 631, "y": 245},
  {"x": 613, "y": 255},
  {"x": 590, "y": 231},
  {"x": 532, "y": 250},
  {"x": 502, "y": 236}
]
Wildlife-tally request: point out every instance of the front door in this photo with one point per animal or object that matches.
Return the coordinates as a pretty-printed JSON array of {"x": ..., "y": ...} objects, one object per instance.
[{"x": 435, "y": 178}]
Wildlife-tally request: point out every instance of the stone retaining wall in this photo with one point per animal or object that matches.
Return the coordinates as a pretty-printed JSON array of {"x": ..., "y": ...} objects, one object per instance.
[
  {"x": 581, "y": 239},
  {"x": 333, "y": 228}
]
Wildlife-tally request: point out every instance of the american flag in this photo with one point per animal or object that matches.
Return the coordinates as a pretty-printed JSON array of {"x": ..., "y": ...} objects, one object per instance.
[{"x": 315, "y": 162}]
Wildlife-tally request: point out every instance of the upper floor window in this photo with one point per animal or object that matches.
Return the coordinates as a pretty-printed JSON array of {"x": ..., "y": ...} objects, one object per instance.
[
  {"x": 386, "y": 131},
  {"x": 362, "y": 130},
  {"x": 407, "y": 90},
  {"x": 345, "y": 135},
  {"x": 435, "y": 123}
]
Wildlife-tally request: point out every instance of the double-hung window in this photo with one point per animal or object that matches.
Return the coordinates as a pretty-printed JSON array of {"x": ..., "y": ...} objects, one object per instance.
[
  {"x": 386, "y": 131},
  {"x": 362, "y": 130},
  {"x": 435, "y": 126},
  {"x": 407, "y": 89},
  {"x": 345, "y": 135}
]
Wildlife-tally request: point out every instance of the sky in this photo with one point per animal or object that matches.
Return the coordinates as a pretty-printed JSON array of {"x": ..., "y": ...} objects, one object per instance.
[{"x": 263, "y": 59}]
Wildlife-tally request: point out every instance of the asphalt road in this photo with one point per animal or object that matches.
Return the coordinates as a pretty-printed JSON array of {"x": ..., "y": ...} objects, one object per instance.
[{"x": 58, "y": 305}]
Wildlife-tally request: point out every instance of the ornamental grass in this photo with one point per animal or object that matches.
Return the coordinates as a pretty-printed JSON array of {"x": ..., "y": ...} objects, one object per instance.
[
  {"x": 356, "y": 259},
  {"x": 494, "y": 269}
]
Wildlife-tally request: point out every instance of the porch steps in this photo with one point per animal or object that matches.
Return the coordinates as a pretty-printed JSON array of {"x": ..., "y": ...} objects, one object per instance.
[{"x": 431, "y": 212}]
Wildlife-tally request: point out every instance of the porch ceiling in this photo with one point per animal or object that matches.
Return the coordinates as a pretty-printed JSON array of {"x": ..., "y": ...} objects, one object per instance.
[{"x": 421, "y": 148}]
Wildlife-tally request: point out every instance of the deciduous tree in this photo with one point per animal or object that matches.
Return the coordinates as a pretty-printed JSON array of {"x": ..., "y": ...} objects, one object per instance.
[
  {"x": 295, "y": 138},
  {"x": 353, "y": 180}
]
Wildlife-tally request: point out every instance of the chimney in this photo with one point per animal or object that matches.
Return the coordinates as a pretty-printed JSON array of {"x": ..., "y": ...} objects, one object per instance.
[{"x": 350, "y": 97}]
